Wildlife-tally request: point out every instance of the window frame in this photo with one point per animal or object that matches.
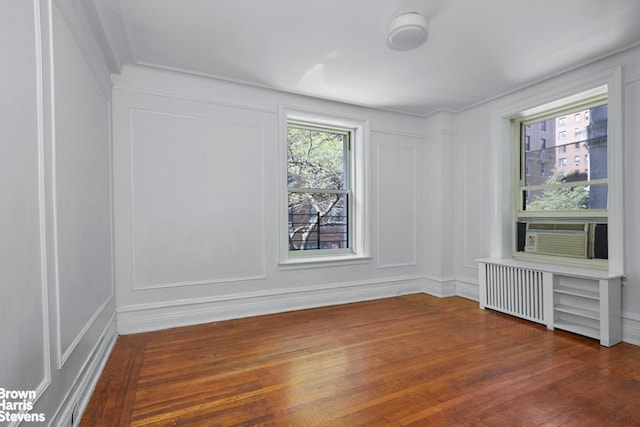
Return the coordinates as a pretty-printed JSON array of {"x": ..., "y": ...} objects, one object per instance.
[
  {"x": 347, "y": 155},
  {"x": 358, "y": 170},
  {"x": 560, "y": 107},
  {"x": 501, "y": 204}
]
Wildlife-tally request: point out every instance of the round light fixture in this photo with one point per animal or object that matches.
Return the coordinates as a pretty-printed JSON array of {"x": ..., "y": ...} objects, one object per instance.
[{"x": 407, "y": 31}]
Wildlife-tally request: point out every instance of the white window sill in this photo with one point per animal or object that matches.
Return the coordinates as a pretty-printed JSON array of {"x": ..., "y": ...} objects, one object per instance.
[{"x": 323, "y": 261}]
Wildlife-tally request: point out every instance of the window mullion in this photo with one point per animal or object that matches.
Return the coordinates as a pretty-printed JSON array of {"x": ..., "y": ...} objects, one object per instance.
[{"x": 563, "y": 184}]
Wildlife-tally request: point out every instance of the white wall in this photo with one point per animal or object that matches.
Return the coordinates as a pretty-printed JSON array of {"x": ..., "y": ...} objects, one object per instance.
[
  {"x": 196, "y": 169},
  {"x": 23, "y": 300},
  {"x": 437, "y": 210},
  {"x": 196, "y": 166},
  {"x": 476, "y": 210},
  {"x": 57, "y": 316}
]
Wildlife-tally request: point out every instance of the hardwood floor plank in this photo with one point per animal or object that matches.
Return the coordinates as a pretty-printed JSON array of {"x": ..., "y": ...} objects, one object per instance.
[
  {"x": 411, "y": 360},
  {"x": 112, "y": 401}
]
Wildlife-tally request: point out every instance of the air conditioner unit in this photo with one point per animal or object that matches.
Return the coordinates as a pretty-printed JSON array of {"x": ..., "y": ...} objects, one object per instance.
[{"x": 565, "y": 239}]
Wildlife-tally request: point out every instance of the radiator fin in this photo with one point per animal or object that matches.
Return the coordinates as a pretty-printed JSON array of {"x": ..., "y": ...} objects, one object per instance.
[{"x": 516, "y": 291}]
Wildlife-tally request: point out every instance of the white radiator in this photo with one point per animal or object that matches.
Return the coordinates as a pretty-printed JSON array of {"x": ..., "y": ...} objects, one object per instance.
[
  {"x": 513, "y": 290},
  {"x": 579, "y": 300}
]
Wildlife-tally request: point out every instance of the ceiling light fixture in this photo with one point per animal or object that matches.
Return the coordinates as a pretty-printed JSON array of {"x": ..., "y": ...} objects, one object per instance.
[{"x": 407, "y": 31}]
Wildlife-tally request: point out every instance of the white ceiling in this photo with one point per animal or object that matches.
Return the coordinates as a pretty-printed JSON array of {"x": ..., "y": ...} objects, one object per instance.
[{"x": 335, "y": 49}]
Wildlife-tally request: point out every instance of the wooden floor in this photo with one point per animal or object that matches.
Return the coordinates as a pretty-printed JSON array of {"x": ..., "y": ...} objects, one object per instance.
[{"x": 411, "y": 360}]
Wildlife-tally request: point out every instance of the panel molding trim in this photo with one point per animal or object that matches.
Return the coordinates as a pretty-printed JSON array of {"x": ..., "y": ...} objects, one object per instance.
[
  {"x": 63, "y": 356},
  {"x": 412, "y": 177},
  {"x": 131, "y": 88},
  {"x": 88, "y": 376},
  {"x": 149, "y": 317},
  {"x": 46, "y": 332},
  {"x": 133, "y": 209},
  {"x": 58, "y": 17}
]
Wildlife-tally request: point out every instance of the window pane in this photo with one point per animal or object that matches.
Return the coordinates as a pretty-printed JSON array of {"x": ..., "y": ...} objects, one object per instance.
[
  {"x": 567, "y": 198},
  {"x": 318, "y": 221},
  {"x": 316, "y": 158},
  {"x": 552, "y": 156},
  {"x": 586, "y": 163}
]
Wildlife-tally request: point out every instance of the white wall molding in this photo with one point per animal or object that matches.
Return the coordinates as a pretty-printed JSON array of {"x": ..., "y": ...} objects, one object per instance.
[
  {"x": 631, "y": 329},
  {"x": 124, "y": 86},
  {"x": 87, "y": 378},
  {"x": 83, "y": 332},
  {"x": 76, "y": 18},
  {"x": 394, "y": 132},
  {"x": 46, "y": 381},
  {"x": 138, "y": 173},
  {"x": 57, "y": 29},
  {"x": 105, "y": 18},
  {"x": 468, "y": 288},
  {"x": 147, "y": 317},
  {"x": 470, "y": 209},
  {"x": 206, "y": 282},
  {"x": 629, "y": 80},
  {"x": 438, "y": 133},
  {"x": 472, "y": 128},
  {"x": 404, "y": 192},
  {"x": 441, "y": 287}
]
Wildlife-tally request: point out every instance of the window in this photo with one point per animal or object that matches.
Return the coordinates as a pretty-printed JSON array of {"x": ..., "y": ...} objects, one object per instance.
[
  {"x": 551, "y": 100},
  {"x": 325, "y": 219},
  {"x": 569, "y": 193},
  {"x": 543, "y": 143},
  {"x": 567, "y": 190},
  {"x": 577, "y": 118},
  {"x": 562, "y": 121},
  {"x": 319, "y": 187}
]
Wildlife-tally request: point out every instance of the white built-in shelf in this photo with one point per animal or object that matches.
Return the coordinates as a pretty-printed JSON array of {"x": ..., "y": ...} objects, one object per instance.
[
  {"x": 577, "y": 328},
  {"x": 579, "y": 300},
  {"x": 595, "y": 295},
  {"x": 577, "y": 311}
]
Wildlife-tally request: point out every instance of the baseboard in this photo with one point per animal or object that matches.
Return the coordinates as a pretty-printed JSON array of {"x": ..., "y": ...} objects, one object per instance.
[
  {"x": 76, "y": 402},
  {"x": 440, "y": 286},
  {"x": 631, "y": 330},
  {"x": 468, "y": 290},
  {"x": 151, "y": 317}
]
